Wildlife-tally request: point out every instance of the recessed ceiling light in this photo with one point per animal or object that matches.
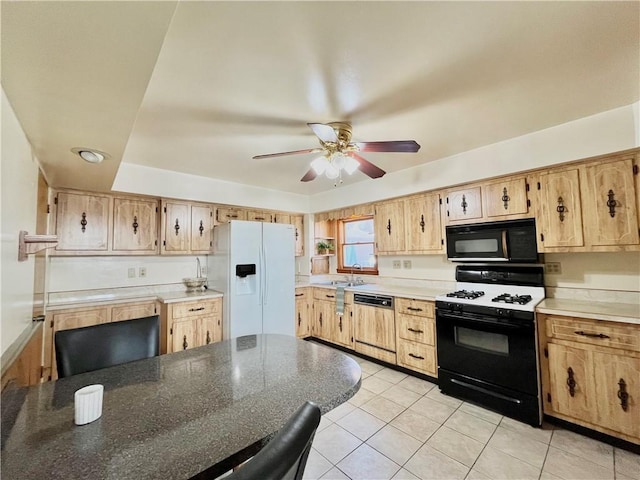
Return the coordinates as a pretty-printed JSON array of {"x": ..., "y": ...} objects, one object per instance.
[{"x": 90, "y": 155}]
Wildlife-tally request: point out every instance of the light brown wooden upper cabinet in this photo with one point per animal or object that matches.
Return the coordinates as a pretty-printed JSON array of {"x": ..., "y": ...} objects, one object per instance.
[
  {"x": 135, "y": 225},
  {"x": 282, "y": 218},
  {"x": 82, "y": 223},
  {"x": 559, "y": 209},
  {"x": 609, "y": 214},
  {"x": 186, "y": 227},
  {"x": 298, "y": 223},
  {"x": 464, "y": 204},
  {"x": 225, "y": 213},
  {"x": 423, "y": 228},
  {"x": 505, "y": 197},
  {"x": 259, "y": 216},
  {"x": 389, "y": 227}
]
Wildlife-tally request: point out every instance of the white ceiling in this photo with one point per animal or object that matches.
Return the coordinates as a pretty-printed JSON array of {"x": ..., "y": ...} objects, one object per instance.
[{"x": 201, "y": 87}]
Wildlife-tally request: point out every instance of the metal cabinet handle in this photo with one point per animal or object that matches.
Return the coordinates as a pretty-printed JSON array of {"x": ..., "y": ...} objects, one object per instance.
[
  {"x": 505, "y": 198},
  {"x": 208, "y": 337},
  {"x": 623, "y": 395},
  {"x": 201, "y": 228},
  {"x": 83, "y": 222},
  {"x": 464, "y": 204},
  {"x": 330, "y": 296},
  {"x": 414, "y": 330},
  {"x": 299, "y": 294},
  {"x": 299, "y": 319},
  {"x": 591, "y": 335},
  {"x": 185, "y": 345},
  {"x": 321, "y": 319},
  {"x": 611, "y": 203},
  {"x": 177, "y": 227},
  {"x": 340, "y": 324},
  {"x": 414, "y": 309},
  {"x": 422, "y": 224},
  {"x": 135, "y": 225},
  {"x": 416, "y": 356},
  {"x": 561, "y": 209},
  {"x": 389, "y": 226},
  {"x": 196, "y": 309},
  {"x": 571, "y": 382}
]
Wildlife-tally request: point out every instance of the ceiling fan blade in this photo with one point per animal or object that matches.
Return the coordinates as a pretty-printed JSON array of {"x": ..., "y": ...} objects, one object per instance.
[
  {"x": 310, "y": 175},
  {"x": 403, "y": 146},
  {"x": 325, "y": 133},
  {"x": 295, "y": 152},
  {"x": 367, "y": 167}
]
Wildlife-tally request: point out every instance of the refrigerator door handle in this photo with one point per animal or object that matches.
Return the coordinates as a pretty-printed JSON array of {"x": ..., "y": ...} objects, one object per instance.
[
  {"x": 261, "y": 266},
  {"x": 266, "y": 275}
]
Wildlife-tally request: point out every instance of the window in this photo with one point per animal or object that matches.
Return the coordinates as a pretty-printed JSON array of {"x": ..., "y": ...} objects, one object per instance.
[{"x": 356, "y": 245}]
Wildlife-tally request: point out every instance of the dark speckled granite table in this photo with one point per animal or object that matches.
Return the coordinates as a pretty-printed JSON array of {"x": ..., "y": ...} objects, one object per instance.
[{"x": 173, "y": 416}]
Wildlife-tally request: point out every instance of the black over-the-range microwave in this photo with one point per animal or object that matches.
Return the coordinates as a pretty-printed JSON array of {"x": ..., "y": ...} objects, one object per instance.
[{"x": 506, "y": 241}]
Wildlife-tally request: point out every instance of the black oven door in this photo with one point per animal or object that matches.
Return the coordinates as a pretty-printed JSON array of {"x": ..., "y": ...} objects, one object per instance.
[{"x": 494, "y": 350}]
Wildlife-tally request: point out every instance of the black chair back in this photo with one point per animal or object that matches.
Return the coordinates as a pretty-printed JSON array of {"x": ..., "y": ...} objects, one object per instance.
[
  {"x": 100, "y": 346},
  {"x": 285, "y": 456}
]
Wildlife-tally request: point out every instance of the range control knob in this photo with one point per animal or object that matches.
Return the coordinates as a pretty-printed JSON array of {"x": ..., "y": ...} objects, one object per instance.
[{"x": 384, "y": 302}]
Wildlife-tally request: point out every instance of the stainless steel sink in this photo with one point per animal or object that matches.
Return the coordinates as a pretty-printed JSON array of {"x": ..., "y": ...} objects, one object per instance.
[{"x": 339, "y": 283}]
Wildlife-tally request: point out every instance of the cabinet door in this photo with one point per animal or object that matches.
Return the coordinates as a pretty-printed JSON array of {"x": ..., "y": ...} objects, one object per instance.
[
  {"x": 258, "y": 216},
  {"x": 298, "y": 224},
  {"x": 464, "y": 204},
  {"x": 175, "y": 227},
  {"x": 201, "y": 228},
  {"x": 282, "y": 218},
  {"x": 82, "y": 222},
  {"x": 135, "y": 225},
  {"x": 617, "y": 382},
  {"x": 559, "y": 212},
  {"x": 610, "y": 216},
  {"x": 508, "y": 197},
  {"x": 184, "y": 335},
  {"x": 342, "y": 327},
  {"x": 389, "y": 226},
  {"x": 209, "y": 330},
  {"x": 570, "y": 379},
  {"x": 323, "y": 313},
  {"x": 422, "y": 224},
  {"x": 224, "y": 214},
  {"x": 302, "y": 315}
]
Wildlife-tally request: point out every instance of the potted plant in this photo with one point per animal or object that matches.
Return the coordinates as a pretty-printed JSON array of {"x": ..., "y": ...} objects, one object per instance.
[{"x": 324, "y": 247}]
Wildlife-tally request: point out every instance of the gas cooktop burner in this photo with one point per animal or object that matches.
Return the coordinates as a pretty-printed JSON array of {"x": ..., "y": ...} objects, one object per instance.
[
  {"x": 468, "y": 294},
  {"x": 506, "y": 298}
]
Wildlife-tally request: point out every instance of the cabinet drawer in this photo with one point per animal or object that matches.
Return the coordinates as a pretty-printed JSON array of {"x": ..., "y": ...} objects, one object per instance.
[
  {"x": 325, "y": 294},
  {"x": 417, "y": 329},
  {"x": 409, "y": 306},
  {"x": 195, "y": 309},
  {"x": 417, "y": 356},
  {"x": 594, "y": 332}
]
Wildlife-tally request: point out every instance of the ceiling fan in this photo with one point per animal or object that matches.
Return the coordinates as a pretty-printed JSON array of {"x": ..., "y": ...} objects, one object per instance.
[{"x": 340, "y": 154}]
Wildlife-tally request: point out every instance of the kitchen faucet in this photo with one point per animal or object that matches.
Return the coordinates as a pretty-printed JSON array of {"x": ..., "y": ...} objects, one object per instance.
[
  {"x": 198, "y": 268},
  {"x": 354, "y": 266}
]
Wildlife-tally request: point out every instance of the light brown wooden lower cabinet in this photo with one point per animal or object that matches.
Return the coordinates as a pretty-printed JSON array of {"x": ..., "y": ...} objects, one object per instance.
[
  {"x": 326, "y": 323},
  {"x": 416, "y": 335},
  {"x": 591, "y": 373},
  {"x": 191, "y": 324},
  {"x": 302, "y": 313},
  {"x": 66, "y": 319}
]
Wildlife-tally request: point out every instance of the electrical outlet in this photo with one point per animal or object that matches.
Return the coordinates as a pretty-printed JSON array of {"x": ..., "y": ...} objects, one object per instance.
[
  {"x": 131, "y": 272},
  {"x": 407, "y": 264},
  {"x": 396, "y": 264},
  {"x": 142, "y": 272},
  {"x": 553, "y": 268}
]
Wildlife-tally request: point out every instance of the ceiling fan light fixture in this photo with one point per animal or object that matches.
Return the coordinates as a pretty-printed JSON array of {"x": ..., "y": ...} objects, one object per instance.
[
  {"x": 351, "y": 165},
  {"x": 319, "y": 165},
  {"x": 338, "y": 159},
  {"x": 332, "y": 172}
]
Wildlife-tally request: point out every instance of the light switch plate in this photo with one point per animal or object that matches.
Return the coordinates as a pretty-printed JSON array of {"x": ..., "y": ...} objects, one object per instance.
[
  {"x": 553, "y": 268},
  {"x": 396, "y": 264},
  {"x": 131, "y": 272},
  {"x": 407, "y": 264},
  {"x": 142, "y": 272}
]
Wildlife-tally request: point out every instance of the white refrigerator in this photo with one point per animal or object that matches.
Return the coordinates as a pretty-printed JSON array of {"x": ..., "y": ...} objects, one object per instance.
[{"x": 253, "y": 265}]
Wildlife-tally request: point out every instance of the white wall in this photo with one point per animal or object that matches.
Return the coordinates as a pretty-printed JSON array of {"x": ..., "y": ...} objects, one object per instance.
[
  {"x": 18, "y": 199},
  {"x": 603, "y": 133},
  {"x": 164, "y": 183},
  {"x": 88, "y": 273}
]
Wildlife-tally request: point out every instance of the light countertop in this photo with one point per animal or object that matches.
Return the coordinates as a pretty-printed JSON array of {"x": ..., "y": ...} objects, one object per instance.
[{"x": 608, "y": 311}]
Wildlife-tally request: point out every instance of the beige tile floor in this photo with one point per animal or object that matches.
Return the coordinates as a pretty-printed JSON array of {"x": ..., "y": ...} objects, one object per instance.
[{"x": 401, "y": 427}]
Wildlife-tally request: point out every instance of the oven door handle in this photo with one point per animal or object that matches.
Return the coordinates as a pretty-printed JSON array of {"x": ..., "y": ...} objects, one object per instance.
[{"x": 470, "y": 319}]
